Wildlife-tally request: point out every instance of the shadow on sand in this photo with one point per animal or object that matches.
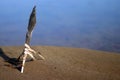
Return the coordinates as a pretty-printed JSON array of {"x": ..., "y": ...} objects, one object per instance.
[{"x": 13, "y": 62}]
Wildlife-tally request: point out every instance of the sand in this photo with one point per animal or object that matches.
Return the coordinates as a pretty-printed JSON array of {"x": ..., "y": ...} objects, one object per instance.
[{"x": 62, "y": 63}]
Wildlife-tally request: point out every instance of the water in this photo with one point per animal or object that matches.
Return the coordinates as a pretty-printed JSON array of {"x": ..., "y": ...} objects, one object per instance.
[{"x": 92, "y": 24}]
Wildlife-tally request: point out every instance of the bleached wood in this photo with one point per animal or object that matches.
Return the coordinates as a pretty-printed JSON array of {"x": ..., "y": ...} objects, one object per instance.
[{"x": 27, "y": 49}]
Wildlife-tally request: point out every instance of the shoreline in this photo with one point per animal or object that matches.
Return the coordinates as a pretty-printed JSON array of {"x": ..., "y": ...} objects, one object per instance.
[{"x": 116, "y": 52}]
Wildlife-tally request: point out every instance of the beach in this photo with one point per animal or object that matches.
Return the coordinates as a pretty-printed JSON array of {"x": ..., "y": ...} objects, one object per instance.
[{"x": 61, "y": 63}]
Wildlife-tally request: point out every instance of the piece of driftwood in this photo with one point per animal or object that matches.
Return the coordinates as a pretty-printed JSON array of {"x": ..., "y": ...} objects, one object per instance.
[
  {"x": 27, "y": 49},
  {"x": 31, "y": 53}
]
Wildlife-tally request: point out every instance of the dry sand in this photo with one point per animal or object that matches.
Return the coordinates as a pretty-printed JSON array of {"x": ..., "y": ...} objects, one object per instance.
[{"x": 62, "y": 64}]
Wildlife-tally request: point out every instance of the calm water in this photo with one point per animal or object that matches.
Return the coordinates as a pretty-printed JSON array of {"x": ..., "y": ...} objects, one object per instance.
[{"x": 93, "y": 24}]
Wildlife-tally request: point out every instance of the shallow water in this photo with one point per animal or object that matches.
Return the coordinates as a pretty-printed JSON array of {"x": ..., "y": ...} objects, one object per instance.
[{"x": 74, "y": 23}]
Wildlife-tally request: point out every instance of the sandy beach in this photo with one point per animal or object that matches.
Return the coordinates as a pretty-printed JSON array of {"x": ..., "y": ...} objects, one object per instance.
[{"x": 61, "y": 63}]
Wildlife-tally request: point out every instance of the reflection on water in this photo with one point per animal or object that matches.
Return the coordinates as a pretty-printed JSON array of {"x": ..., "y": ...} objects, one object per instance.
[{"x": 89, "y": 24}]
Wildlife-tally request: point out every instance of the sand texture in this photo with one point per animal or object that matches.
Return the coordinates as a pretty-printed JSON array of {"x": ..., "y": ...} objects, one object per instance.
[{"x": 61, "y": 63}]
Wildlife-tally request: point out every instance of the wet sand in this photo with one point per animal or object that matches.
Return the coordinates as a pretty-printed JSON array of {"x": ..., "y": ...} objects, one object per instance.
[{"x": 62, "y": 63}]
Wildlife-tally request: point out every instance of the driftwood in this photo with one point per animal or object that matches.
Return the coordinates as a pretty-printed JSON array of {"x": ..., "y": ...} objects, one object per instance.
[{"x": 27, "y": 49}]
